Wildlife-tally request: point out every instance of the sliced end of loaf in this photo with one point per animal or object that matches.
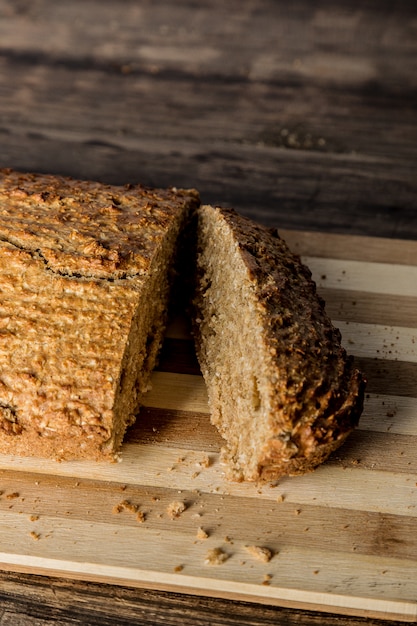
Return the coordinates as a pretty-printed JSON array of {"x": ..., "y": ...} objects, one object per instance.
[{"x": 282, "y": 391}]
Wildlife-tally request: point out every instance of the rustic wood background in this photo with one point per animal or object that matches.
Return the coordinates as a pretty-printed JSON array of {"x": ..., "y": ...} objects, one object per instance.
[{"x": 301, "y": 114}]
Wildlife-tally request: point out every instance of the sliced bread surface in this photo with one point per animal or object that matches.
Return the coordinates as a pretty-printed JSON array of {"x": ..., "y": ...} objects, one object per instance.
[
  {"x": 282, "y": 391},
  {"x": 85, "y": 272}
]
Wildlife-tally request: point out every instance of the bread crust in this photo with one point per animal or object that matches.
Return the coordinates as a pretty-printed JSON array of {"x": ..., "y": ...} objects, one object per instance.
[
  {"x": 315, "y": 392},
  {"x": 84, "y": 282}
]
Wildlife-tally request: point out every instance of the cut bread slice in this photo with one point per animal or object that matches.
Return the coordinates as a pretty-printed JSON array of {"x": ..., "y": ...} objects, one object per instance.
[
  {"x": 282, "y": 391},
  {"x": 85, "y": 273}
]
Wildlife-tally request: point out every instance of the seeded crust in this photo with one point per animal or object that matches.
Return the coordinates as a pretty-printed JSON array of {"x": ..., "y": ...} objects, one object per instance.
[
  {"x": 85, "y": 271},
  {"x": 282, "y": 391}
]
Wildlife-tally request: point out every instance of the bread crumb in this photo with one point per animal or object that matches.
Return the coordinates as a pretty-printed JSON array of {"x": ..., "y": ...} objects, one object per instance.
[
  {"x": 281, "y": 498},
  {"x": 201, "y": 533},
  {"x": 12, "y": 496},
  {"x": 267, "y": 579},
  {"x": 125, "y": 505},
  {"x": 215, "y": 556},
  {"x": 140, "y": 517},
  {"x": 297, "y": 511},
  {"x": 34, "y": 518},
  {"x": 260, "y": 553},
  {"x": 35, "y": 536},
  {"x": 205, "y": 462},
  {"x": 175, "y": 509},
  {"x": 178, "y": 568}
]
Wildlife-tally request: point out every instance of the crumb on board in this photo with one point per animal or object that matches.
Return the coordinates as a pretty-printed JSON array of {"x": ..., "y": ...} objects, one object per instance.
[
  {"x": 260, "y": 553},
  {"x": 201, "y": 533},
  {"x": 33, "y": 518},
  {"x": 125, "y": 505},
  {"x": 174, "y": 509},
  {"x": 178, "y": 568},
  {"x": 205, "y": 462},
  {"x": 35, "y": 536},
  {"x": 267, "y": 579},
  {"x": 215, "y": 556},
  {"x": 140, "y": 517},
  {"x": 12, "y": 496},
  {"x": 281, "y": 498}
]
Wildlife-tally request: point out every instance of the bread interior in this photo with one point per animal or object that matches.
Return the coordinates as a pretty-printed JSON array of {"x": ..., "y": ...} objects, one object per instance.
[{"x": 230, "y": 347}]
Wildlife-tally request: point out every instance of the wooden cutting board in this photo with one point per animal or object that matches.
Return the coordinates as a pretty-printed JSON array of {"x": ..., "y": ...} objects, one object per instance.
[{"x": 343, "y": 539}]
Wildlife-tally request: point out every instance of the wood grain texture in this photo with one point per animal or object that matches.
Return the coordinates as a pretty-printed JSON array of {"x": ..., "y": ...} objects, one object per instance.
[
  {"x": 52, "y": 601},
  {"x": 343, "y": 538},
  {"x": 301, "y": 116}
]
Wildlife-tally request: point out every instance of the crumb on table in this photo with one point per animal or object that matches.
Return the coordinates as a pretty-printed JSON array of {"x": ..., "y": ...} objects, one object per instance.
[
  {"x": 201, "y": 533},
  {"x": 216, "y": 556},
  {"x": 174, "y": 509},
  {"x": 12, "y": 496},
  {"x": 260, "y": 553},
  {"x": 125, "y": 505}
]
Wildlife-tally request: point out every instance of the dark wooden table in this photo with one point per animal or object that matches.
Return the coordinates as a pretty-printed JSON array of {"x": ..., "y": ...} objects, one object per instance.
[{"x": 300, "y": 114}]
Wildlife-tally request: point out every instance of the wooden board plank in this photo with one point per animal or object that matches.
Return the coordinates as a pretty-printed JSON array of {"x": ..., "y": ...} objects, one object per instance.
[
  {"x": 343, "y": 539},
  {"x": 271, "y": 109}
]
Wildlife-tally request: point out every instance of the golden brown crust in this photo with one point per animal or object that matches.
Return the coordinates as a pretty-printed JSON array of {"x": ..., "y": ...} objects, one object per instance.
[
  {"x": 84, "y": 273},
  {"x": 86, "y": 228}
]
